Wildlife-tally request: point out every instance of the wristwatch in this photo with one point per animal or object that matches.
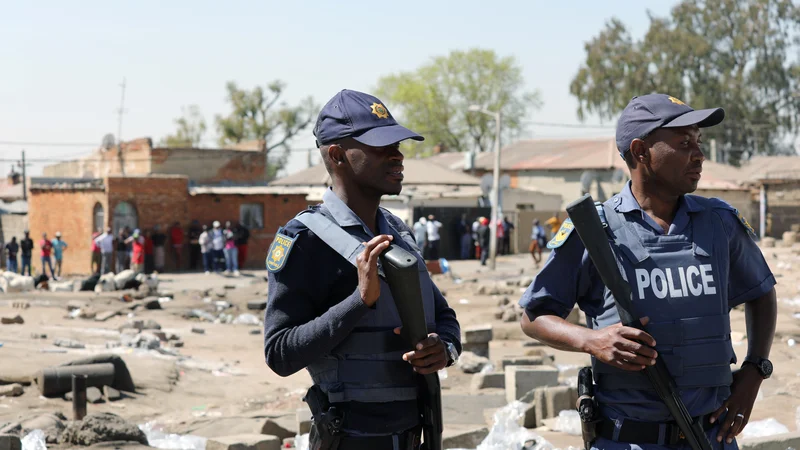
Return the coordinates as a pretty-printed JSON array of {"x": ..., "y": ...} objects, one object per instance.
[
  {"x": 452, "y": 353},
  {"x": 763, "y": 365}
]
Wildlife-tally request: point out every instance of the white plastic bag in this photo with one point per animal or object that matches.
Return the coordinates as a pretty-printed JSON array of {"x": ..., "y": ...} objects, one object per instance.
[
  {"x": 158, "y": 439},
  {"x": 764, "y": 428},
  {"x": 508, "y": 434},
  {"x": 35, "y": 440}
]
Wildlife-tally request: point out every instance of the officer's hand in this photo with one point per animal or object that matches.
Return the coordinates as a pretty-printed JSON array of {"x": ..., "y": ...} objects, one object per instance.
[
  {"x": 430, "y": 355},
  {"x": 739, "y": 405},
  {"x": 368, "y": 283},
  {"x": 617, "y": 345}
]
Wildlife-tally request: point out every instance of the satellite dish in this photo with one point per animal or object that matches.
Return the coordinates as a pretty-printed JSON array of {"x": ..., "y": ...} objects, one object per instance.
[
  {"x": 618, "y": 176},
  {"x": 505, "y": 182},
  {"x": 486, "y": 183},
  {"x": 108, "y": 141},
  {"x": 587, "y": 177}
]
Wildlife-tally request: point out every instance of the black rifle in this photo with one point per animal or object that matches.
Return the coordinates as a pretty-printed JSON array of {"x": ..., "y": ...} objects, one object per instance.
[
  {"x": 402, "y": 275},
  {"x": 583, "y": 214}
]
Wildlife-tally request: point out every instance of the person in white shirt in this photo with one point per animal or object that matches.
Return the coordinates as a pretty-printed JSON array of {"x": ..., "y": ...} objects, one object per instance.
[
  {"x": 106, "y": 243},
  {"x": 205, "y": 250},
  {"x": 217, "y": 246},
  {"x": 421, "y": 234},
  {"x": 433, "y": 226}
]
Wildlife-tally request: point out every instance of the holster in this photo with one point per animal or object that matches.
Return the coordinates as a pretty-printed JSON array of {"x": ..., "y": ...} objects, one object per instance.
[
  {"x": 587, "y": 407},
  {"x": 326, "y": 421}
]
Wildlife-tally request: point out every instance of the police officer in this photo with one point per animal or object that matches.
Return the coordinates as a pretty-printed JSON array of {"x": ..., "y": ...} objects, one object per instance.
[
  {"x": 689, "y": 260},
  {"x": 329, "y": 311}
]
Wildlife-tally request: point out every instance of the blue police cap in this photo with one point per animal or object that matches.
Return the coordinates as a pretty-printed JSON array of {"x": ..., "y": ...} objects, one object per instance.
[
  {"x": 649, "y": 112},
  {"x": 362, "y": 117}
]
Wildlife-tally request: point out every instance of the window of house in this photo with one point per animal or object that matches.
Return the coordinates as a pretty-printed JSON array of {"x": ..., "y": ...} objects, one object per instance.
[
  {"x": 98, "y": 218},
  {"x": 124, "y": 216},
  {"x": 251, "y": 215}
]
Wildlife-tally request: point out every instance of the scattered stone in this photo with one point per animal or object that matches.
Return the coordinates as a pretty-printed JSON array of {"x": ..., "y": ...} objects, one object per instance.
[
  {"x": 111, "y": 394},
  {"x": 93, "y": 395},
  {"x": 75, "y": 304},
  {"x": 105, "y": 315},
  {"x": 768, "y": 242},
  {"x": 510, "y": 315},
  {"x": 68, "y": 343},
  {"x": 11, "y": 428},
  {"x": 503, "y": 301},
  {"x": 152, "y": 303},
  {"x": 523, "y": 379},
  {"x": 151, "y": 324},
  {"x": 177, "y": 344},
  {"x": 11, "y": 390},
  {"x": 51, "y": 424},
  {"x": 244, "y": 442},
  {"x": 38, "y": 336},
  {"x": 135, "y": 324},
  {"x": 10, "y": 442},
  {"x": 464, "y": 439},
  {"x": 479, "y": 334},
  {"x": 101, "y": 427},
  {"x": 469, "y": 362},
  {"x": 257, "y": 305},
  {"x": 12, "y": 320},
  {"x": 220, "y": 292},
  {"x": 526, "y": 361},
  {"x": 198, "y": 330},
  {"x": 173, "y": 337},
  {"x": 20, "y": 304},
  {"x": 789, "y": 238},
  {"x": 488, "y": 381},
  {"x": 162, "y": 336},
  {"x": 498, "y": 314},
  {"x": 146, "y": 340},
  {"x": 272, "y": 427},
  {"x": 481, "y": 349},
  {"x": 255, "y": 331}
]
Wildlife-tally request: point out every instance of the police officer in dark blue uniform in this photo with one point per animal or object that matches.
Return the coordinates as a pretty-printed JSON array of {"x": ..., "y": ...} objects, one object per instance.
[
  {"x": 329, "y": 311},
  {"x": 689, "y": 261}
]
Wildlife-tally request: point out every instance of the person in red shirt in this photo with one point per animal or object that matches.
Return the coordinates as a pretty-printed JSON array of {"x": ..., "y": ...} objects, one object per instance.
[
  {"x": 137, "y": 255},
  {"x": 46, "y": 247},
  {"x": 96, "y": 256},
  {"x": 176, "y": 234}
]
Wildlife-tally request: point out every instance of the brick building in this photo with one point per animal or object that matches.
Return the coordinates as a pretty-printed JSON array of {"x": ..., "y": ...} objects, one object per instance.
[
  {"x": 77, "y": 206},
  {"x": 242, "y": 164}
]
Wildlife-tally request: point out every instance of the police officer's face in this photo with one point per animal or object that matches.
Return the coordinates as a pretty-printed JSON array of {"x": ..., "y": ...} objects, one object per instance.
[
  {"x": 676, "y": 158},
  {"x": 374, "y": 168}
]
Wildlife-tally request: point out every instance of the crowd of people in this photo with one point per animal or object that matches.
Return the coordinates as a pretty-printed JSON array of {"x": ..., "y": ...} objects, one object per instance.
[
  {"x": 212, "y": 248},
  {"x": 473, "y": 239}
]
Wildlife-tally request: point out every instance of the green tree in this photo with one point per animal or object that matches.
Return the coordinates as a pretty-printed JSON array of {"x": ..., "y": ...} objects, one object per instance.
[
  {"x": 435, "y": 98},
  {"x": 738, "y": 54},
  {"x": 257, "y": 115},
  {"x": 190, "y": 129}
]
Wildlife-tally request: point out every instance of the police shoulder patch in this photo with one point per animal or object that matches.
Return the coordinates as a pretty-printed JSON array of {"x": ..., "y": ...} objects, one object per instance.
[
  {"x": 278, "y": 252},
  {"x": 745, "y": 224},
  {"x": 563, "y": 233}
]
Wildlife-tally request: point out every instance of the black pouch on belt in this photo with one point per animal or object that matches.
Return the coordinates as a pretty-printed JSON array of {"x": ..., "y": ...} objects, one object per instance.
[{"x": 327, "y": 421}]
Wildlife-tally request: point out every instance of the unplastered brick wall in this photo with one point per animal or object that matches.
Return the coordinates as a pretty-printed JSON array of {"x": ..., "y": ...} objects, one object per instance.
[
  {"x": 70, "y": 211},
  {"x": 278, "y": 209},
  {"x": 210, "y": 166}
]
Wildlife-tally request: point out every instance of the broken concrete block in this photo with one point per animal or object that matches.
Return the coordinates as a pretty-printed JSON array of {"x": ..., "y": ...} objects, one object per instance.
[
  {"x": 552, "y": 400},
  {"x": 12, "y": 320},
  {"x": 488, "y": 381},
  {"x": 469, "y": 362},
  {"x": 303, "y": 419},
  {"x": 11, "y": 390},
  {"x": 198, "y": 330},
  {"x": 257, "y": 305},
  {"x": 93, "y": 395},
  {"x": 151, "y": 303},
  {"x": 160, "y": 334},
  {"x": 278, "y": 428},
  {"x": 480, "y": 349},
  {"x": 509, "y": 315},
  {"x": 244, "y": 442},
  {"x": 522, "y": 379},
  {"x": 775, "y": 442},
  {"x": 768, "y": 242},
  {"x": 111, "y": 393},
  {"x": 464, "y": 439},
  {"x": 480, "y": 334},
  {"x": 10, "y": 442},
  {"x": 255, "y": 331},
  {"x": 526, "y": 361},
  {"x": 151, "y": 324},
  {"x": 498, "y": 314},
  {"x": 503, "y": 301}
]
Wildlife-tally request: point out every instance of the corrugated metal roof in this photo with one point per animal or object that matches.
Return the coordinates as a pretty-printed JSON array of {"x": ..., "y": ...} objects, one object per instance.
[
  {"x": 252, "y": 190},
  {"x": 772, "y": 167},
  {"x": 15, "y": 207},
  {"x": 10, "y": 191},
  {"x": 416, "y": 171}
]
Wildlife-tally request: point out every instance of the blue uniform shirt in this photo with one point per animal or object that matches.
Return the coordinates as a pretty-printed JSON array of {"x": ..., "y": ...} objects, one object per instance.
[
  {"x": 569, "y": 277},
  {"x": 314, "y": 304}
]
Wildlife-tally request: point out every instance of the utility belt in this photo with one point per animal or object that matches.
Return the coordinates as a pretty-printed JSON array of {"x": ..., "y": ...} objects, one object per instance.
[
  {"x": 328, "y": 423},
  {"x": 593, "y": 425}
]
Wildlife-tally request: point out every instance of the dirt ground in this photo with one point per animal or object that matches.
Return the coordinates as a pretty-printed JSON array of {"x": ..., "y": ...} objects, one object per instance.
[{"x": 218, "y": 384}]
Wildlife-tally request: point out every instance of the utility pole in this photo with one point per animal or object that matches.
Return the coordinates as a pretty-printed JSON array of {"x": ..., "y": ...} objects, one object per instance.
[
  {"x": 24, "y": 178},
  {"x": 121, "y": 111},
  {"x": 495, "y": 194}
]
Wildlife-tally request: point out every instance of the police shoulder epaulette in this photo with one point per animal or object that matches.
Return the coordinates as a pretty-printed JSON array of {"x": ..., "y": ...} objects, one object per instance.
[
  {"x": 721, "y": 204},
  {"x": 278, "y": 252},
  {"x": 561, "y": 236}
]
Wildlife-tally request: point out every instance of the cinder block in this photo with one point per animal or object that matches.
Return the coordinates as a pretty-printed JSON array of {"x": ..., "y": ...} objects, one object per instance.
[
  {"x": 488, "y": 381},
  {"x": 526, "y": 361},
  {"x": 480, "y": 349},
  {"x": 244, "y": 442},
  {"x": 480, "y": 334},
  {"x": 523, "y": 379}
]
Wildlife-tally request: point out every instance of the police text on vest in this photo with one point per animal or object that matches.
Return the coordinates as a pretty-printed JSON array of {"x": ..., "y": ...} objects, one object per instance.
[{"x": 677, "y": 283}]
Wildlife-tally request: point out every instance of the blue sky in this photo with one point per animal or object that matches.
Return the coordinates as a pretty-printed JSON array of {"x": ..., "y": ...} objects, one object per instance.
[{"x": 63, "y": 62}]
